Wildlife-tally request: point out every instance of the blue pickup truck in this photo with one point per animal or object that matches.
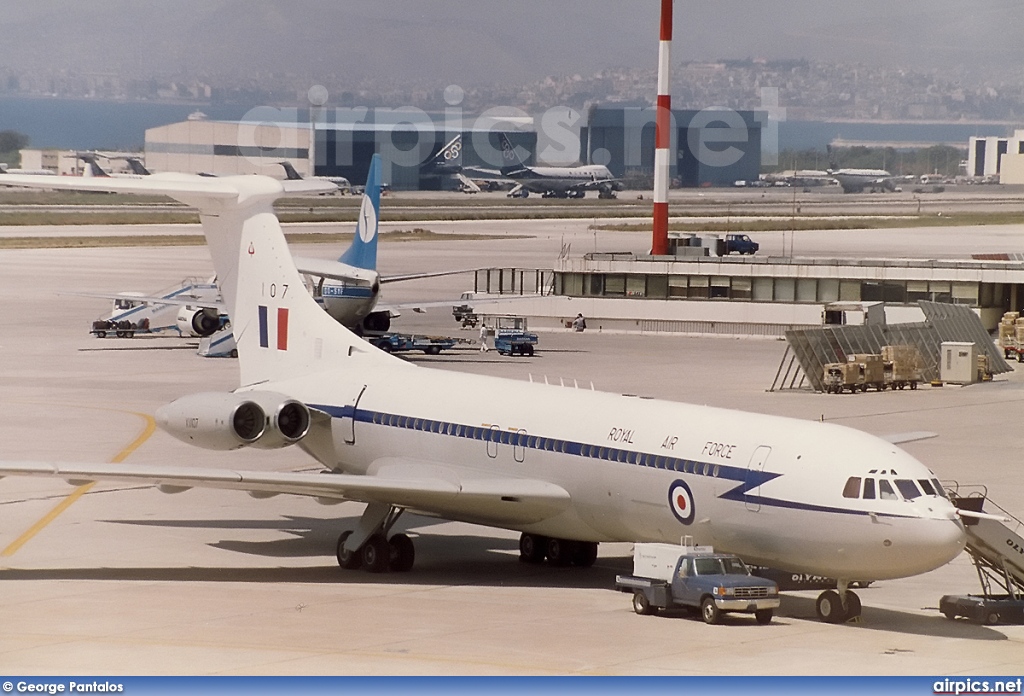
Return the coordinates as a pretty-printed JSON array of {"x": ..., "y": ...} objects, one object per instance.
[
  {"x": 740, "y": 243},
  {"x": 667, "y": 576}
]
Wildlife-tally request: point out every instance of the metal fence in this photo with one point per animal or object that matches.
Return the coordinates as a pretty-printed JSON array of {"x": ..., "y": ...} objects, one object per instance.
[{"x": 809, "y": 350}]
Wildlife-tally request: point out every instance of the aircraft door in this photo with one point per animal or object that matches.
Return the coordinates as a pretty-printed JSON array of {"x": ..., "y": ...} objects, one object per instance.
[
  {"x": 493, "y": 434},
  {"x": 755, "y": 467},
  {"x": 348, "y": 418},
  {"x": 519, "y": 446}
]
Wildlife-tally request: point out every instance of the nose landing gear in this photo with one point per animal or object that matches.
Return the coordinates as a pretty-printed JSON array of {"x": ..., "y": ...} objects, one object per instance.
[{"x": 838, "y": 606}]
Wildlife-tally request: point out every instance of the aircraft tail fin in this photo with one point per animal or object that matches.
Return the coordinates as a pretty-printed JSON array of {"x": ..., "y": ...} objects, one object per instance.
[
  {"x": 137, "y": 166},
  {"x": 831, "y": 159},
  {"x": 363, "y": 251},
  {"x": 289, "y": 171},
  {"x": 511, "y": 161},
  {"x": 280, "y": 329},
  {"x": 92, "y": 167},
  {"x": 451, "y": 154}
]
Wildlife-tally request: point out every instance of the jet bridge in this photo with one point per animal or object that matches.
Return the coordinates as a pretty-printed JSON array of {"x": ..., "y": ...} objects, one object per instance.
[{"x": 996, "y": 547}]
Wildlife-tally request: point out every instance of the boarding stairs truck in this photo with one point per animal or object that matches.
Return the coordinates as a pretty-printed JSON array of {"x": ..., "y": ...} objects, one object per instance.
[
  {"x": 133, "y": 313},
  {"x": 667, "y": 576},
  {"x": 995, "y": 543},
  {"x": 219, "y": 344}
]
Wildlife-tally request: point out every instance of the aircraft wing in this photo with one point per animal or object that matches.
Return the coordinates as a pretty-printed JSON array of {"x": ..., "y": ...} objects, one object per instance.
[
  {"x": 596, "y": 183},
  {"x": 403, "y": 482},
  {"x": 179, "y": 301},
  {"x": 167, "y": 183},
  {"x": 427, "y": 274},
  {"x": 420, "y": 306}
]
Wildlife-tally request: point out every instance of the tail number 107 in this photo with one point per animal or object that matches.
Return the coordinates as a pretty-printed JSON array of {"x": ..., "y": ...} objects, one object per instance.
[{"x": 274, "y": 290}]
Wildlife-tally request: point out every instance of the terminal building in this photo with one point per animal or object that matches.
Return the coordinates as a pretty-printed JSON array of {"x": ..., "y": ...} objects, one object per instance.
[{"x": 764, "y": 296}]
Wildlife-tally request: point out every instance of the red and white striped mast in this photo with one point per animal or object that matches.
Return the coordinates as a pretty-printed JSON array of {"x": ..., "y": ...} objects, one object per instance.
[{"x": 662, "y": 134}]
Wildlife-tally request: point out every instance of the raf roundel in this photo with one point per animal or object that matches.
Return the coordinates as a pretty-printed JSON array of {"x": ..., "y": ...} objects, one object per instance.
[{"x": 680, "y": 499}]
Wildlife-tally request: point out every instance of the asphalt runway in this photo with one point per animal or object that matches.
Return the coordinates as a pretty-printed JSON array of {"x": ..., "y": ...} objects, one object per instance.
[{"x": 116, "y": 579}]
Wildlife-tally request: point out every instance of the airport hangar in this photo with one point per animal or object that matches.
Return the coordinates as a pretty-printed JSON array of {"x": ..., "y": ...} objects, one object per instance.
[
  {"x": 709, "y": 147},
  {"x": 995, "y": 157}
]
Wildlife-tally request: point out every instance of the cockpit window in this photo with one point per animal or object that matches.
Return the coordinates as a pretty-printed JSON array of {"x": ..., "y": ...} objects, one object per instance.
[
  {"x": 852, "y": 488},
  {"x": 869, "y": 489},
  {"x": 939, "y": 490},
  {"x": 885, "y": 491},
  {"x": 926, "y": 486},
  {"x": 908, "y": 489}
]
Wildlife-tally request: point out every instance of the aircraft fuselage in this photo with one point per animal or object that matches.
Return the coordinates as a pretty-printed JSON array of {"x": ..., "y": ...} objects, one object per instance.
[{"x": 646, "y": 470}]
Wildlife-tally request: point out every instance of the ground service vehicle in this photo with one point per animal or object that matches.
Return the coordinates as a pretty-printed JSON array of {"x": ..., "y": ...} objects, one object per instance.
[
  {"x": 464, "y": 313},
  {"x": 511, "y": 336},
  {"x": 694, "y": 577},
  {"x": 896, "y": 367},
  {"x": 396, "y": 343},
  {"x": 122, "y": 329},
  {"x": 859, "y": 372},
  {"x": 740, "y": 243},
  {"x": 1011, "y": 336}
]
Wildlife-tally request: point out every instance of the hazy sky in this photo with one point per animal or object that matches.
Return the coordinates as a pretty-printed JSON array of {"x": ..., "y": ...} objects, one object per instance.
[{"x": 469, "y": 42}]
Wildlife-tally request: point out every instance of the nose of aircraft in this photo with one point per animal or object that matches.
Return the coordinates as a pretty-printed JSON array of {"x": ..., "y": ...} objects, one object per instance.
[{"x": 938, "y": 541}]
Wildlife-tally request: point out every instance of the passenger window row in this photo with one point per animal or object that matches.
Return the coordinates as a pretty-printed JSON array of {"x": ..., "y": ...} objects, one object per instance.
[{"x": 522, "y": 439}]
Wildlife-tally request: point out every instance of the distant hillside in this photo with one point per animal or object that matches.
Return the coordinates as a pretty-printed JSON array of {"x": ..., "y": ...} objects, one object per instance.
[{"x": 472, "y": 42}]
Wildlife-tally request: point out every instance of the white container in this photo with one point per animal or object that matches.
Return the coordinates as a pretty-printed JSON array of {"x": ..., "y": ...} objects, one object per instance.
[
  {"x": 958, "y": 363},
  {"x": 658, "y": 561}
]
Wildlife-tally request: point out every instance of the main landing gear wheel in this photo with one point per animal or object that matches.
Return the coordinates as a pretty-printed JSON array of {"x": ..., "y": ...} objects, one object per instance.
[
  {"x": 403, "y": 553},
  {"x": 376, "y": 554},
  {"x": 585, "y": 554},
  {"x": 534, "y": 548},
  {"x": 347, "y": 559},
  {"x": 559, "y": 552}
]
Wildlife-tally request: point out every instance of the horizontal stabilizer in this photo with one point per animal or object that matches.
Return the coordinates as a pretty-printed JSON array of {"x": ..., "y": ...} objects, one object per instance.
[
  {"x": 914, "y": 436},
  {"x": 335, "y": 270}
]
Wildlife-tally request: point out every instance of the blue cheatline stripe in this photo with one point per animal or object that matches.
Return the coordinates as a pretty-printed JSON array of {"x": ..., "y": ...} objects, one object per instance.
[
  {"x": 264, "y": 340},
  {"x": 746, "y": 479}
]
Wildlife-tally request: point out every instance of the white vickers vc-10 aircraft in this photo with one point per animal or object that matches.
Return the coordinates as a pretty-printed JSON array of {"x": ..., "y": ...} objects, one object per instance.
[{"x": 567, "y": 468}]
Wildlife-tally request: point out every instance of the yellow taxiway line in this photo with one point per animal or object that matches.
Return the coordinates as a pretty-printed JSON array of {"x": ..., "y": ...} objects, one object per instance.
[{"x": 81, "y": 490}]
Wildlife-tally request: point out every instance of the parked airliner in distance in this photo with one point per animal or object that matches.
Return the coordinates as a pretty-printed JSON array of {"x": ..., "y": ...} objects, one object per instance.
[
  {"x": 348, "y": 289},
  {"x": 567, "y": 468},
  {"x": 551, "y": 182},
  {"x": 854, "y": 180}
]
